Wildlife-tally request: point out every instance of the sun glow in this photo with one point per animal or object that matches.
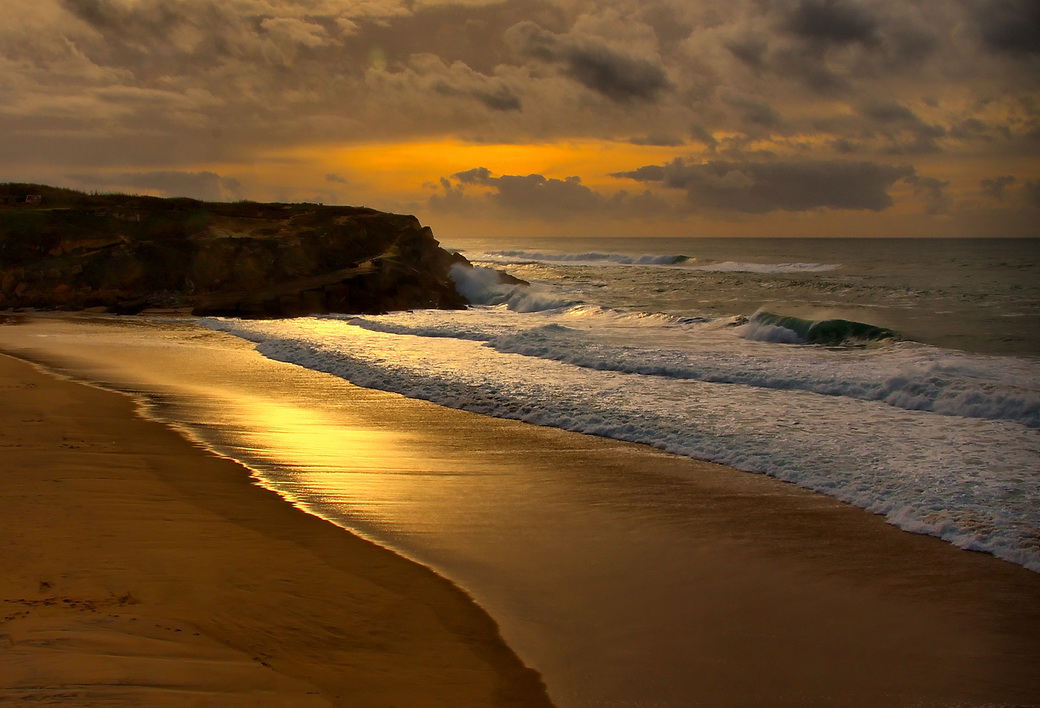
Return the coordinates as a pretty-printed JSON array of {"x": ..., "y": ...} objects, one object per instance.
[{"x": 396, "y": 166}]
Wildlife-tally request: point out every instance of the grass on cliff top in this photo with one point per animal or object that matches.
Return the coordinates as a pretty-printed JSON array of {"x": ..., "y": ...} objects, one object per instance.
[{"x": 14, "y": 195}]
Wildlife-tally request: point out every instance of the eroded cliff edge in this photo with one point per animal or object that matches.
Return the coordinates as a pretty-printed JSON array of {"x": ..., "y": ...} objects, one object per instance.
[{"x": 66, "y": 250}]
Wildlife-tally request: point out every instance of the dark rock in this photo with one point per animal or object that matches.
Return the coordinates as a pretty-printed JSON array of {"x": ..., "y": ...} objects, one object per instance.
[{"x": 245, "y": 259}]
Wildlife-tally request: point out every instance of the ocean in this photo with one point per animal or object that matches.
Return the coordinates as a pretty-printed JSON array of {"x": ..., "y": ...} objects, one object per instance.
[{"x": 898, "y": 376}]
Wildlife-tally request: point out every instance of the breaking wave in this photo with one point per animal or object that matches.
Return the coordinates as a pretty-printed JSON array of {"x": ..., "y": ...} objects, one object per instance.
[
  {"x": 619, "y": 259},
  {"x": 742, "y": 267},
  {"x": 921, "y": 471},
  {"x": 592, "y": 258},
  {"x": 771, "y": 327},
  {"x": 911, "y": 376}
]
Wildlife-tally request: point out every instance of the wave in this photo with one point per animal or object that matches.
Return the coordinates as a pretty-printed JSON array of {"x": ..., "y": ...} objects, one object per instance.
[
  {"x": 743, "y": 267},
  {"x": 619, "y": 259},
  {"x": 771, "y": 327},
  {"x": 592, "y": 258},
  {"x": 912, "y": 376},
  {"x": 922, "y": 472},
  {"x": 484, "y": 286}
]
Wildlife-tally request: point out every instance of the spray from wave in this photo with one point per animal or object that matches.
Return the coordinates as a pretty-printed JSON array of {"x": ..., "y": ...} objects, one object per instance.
[{"x": 485, "y": 286}]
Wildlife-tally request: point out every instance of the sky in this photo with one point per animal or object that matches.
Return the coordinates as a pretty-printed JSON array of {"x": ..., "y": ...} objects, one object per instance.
[{"x": 544, "y": 117}]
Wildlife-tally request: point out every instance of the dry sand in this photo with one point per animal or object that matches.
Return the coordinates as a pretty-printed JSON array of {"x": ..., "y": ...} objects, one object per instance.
[{"x": 138, "y": 569}]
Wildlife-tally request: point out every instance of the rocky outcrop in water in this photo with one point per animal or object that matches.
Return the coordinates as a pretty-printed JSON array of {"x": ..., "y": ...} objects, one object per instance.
[{"x": 65, "y": 250}]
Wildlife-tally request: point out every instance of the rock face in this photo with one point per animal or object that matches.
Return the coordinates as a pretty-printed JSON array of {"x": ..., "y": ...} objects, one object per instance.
[{"x": 68, "y": 250}]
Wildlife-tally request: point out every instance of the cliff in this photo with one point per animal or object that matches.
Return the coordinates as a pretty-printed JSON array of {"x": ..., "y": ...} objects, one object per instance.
[{"x": 61, "y": 249}]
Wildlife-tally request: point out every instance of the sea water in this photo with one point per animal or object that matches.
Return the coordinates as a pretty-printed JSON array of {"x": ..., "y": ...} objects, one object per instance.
[{"x": 901, "y": 376}]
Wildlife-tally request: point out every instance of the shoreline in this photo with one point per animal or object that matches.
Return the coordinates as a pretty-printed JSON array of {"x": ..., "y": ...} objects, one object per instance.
[
  {"x": 783, "y": 597},
  {"x": 144, "y": 569}
]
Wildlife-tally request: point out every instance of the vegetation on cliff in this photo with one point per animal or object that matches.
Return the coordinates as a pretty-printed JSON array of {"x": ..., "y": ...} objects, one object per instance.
[{"x": 63, "y": 249}]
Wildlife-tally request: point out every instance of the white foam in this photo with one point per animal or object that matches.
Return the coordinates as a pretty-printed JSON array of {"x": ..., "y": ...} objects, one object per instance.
[
  {"x": 903, "y": 375},
  {"x": 764, "y": 332},
  {"x": 744, "y": 267},
  {"x": 483, "y": 286},
  {"x": 971, "y": 481}
]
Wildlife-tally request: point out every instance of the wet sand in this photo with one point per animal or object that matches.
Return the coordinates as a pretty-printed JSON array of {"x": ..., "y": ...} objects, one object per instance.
[
  {"x": 787, "y": 598},
  {"x": 139, "y": 569}
]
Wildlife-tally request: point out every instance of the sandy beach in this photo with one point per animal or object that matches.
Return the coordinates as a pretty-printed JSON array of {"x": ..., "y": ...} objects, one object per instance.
[
  {"x": 142, "y": 570},
  {"x": 138, "y": 569}
]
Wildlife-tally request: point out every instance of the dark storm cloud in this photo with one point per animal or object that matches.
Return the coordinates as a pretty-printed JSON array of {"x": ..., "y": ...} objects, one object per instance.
[
  {"x": 760, "y": 187},
  {"x": 115, "y": 16},
  {"x": 658, "y": 173},
  {"x": 546, "y": 196},
  {"x": 1032, "y": 192},
  {"x": 1010, "y": 26},
  {"x": 888, "y": 112},
  {"x": 657, "y": 141},
  {"x": 753, "y": 110},
  {"x": 613, "y": 73},
  {"x": 970, "y": 128},
  {"x": 493, "y": 93},
  {"x": 827, "y": 46},
  {"x": 535, "y": 196},
  {"x": 832, "y": 21},
  {"x": 151, "y": 39},
  {"x": 996, "y": 186},
  {"x": 477, "y": 175},
  {"x": 668, "y": 24},
  {"x": 905, "y": 132},
  {"x": 531, "y": 194},
  {"x": 749, "y": 49},
  {"x": 702, "y": 135},
  {"x": 932, "y": 193}
]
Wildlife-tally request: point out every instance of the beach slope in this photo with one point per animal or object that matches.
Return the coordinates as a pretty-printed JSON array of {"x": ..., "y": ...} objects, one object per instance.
[{"x": 140, "y": 569}]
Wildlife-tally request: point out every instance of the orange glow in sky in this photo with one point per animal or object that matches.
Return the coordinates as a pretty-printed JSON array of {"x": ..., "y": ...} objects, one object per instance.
[{"x": 393, "y": 167}]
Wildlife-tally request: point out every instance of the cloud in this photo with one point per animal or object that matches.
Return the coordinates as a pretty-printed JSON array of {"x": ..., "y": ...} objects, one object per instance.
[
  {"x": 905, "y": 132},
  {"x": 1008, "y": 26},
  {"x": 153, "y": 86},
  {"x": 537, "y": 197},
  {"x": 1032, "y": 192},
  {"x": 531, "y": 194},
  {"x": 477, "y": 175},
  {"x": 294, "y": 31},
  {"x": 761, "y": 187},
  {"x": 752, "y": 110},
  {"x": 657, "y": 141},
  {"x": 832, "y": 21},
  {"x": 562, "y": 197},
  {"x": 429, "y": 74},
  {"x": 207, "y": 186},
  {"x": 995, "y": 186},
  {"x": 333, "y": 177},
  {"x": 592, "y": 63},
  {"x": 932, "y": 193}
]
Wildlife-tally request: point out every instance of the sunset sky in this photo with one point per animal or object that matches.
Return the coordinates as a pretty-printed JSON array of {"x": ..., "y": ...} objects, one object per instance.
[{"x": 542, "y": 117}]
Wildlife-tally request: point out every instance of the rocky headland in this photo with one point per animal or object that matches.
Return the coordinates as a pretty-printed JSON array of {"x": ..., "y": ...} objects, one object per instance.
[{"x": 67, "y": 250}]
